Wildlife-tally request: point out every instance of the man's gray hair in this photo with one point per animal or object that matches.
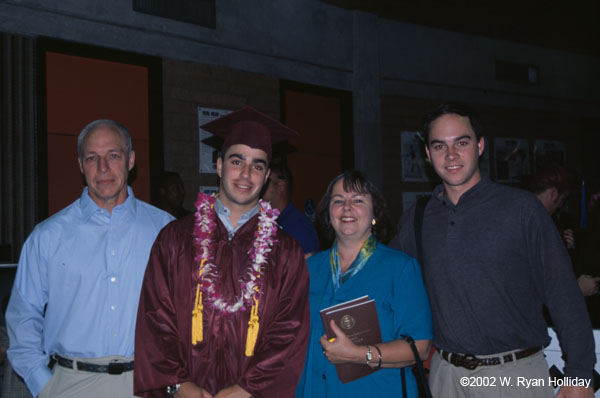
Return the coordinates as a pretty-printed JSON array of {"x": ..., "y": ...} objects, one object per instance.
[{"x": 111, "y": 124}]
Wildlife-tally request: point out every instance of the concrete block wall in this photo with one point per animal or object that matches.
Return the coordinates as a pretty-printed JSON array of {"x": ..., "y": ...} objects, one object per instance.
[{"x": 187, "y": 86}]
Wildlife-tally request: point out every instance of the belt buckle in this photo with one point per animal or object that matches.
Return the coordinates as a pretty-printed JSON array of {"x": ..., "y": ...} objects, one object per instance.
[
  {"x": 115, "y": 368},
  {"x": 470, "y": 362}
]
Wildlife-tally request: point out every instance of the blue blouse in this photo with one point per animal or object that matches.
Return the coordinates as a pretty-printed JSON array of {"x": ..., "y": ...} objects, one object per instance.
[{"x": 394, "y": 280}]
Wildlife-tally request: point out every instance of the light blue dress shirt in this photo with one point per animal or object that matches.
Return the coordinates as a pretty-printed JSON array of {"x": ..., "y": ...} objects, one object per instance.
[
  {"x": 225, "y": 216},
  {"x": 86, "y": 267}
]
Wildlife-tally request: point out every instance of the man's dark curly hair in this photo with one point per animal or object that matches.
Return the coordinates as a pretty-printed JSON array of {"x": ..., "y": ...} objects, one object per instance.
[{"x": 355, "y": 181}]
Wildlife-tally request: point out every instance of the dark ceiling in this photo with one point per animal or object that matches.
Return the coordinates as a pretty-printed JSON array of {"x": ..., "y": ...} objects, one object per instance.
[{"x": 564, "y": 25}]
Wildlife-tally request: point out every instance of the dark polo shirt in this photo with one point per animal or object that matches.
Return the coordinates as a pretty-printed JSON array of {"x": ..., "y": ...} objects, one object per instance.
[{"x": 490, "y": 263}]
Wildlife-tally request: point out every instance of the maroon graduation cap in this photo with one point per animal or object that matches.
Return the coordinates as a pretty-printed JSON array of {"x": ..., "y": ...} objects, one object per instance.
[{"x": 249, "y": 127}]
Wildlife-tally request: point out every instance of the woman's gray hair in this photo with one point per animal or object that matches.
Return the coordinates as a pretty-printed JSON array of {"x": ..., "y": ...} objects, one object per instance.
[{"x": 111, "y": 124}]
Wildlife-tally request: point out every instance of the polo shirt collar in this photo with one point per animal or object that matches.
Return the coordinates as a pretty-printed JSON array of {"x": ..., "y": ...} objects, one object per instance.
[{"x": 440, "y": 194}]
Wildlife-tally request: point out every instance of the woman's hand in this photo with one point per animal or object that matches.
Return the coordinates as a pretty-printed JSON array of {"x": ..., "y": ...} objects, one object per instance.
[{"x": 341, "y": 349}]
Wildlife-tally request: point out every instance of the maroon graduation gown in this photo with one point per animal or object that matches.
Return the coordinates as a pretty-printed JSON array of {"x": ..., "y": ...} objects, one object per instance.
[{"x": 164, "y": 354}]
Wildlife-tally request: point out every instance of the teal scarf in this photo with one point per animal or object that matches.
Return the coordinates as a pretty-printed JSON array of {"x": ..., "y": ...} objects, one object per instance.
[{"x": 361, "y": 260}]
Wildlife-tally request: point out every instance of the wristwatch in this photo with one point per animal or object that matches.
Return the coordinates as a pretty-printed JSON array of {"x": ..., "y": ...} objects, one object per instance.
[
  {"x": 171, "y": 390},
  {"x": 369, "y": 355}
]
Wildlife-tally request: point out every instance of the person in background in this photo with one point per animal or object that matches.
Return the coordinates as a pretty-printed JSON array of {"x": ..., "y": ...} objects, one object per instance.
[
  {"x": 76, "y": 291},
  {"x": 224, "y": 305},
  {"x": 588, "y": 258},
  {"x": 279, "y": 192},
  {"x": 492, "y": 258},
  {"x": 172, "y": 194},
  {"x": 354, "y": 212},
  {"x": 552, "y": 185}
]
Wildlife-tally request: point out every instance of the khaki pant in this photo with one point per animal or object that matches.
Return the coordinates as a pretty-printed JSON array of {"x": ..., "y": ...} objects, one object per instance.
[
  {"x": 72, "y": 383},
  {"x": 525, "y": 378}
]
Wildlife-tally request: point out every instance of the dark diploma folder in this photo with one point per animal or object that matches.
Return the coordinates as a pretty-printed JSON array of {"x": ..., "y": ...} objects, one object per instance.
[{"x": 358, "y": 319}]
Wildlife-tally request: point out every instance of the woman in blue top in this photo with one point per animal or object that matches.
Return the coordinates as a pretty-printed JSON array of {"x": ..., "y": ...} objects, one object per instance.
[{"x": 353, "y": 211}]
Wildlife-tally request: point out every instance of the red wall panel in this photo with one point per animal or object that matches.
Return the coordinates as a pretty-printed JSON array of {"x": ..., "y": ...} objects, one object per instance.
[{"x": 79, "y": 90}]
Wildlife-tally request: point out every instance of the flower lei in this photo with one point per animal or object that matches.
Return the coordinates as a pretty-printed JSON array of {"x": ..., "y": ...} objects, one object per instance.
[{"x": 207, "y": 272}]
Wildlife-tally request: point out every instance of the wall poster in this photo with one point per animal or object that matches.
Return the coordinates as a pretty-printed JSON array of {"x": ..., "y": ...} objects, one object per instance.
[
  {"x": 511, "y": 159},
  {"x": 207, "y": 154}
]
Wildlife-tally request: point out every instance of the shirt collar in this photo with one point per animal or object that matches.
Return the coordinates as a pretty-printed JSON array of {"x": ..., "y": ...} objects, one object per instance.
[
  {"x": 440, "y": 194},
  {"x": 89, "y": 207},
  {"x": 225, "y": 216}
]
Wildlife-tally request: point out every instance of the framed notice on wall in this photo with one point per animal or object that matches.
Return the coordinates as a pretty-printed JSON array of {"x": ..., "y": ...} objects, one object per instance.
[
  {"x": 512, "y": 159},
  {"x": 207, "y": 154},
  {"x": 548, "y": 151},
  {"x": 413, "y": 157}
]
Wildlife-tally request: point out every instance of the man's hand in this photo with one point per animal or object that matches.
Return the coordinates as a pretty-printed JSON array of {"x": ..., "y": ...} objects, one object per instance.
[
  {"x": 234, "y": 391},
  {"x": 588, "y": 284},
  {"x": 191, "y": 390},
  {"x": 575, "y": 392},
  {"x": 568, "y": 237}
]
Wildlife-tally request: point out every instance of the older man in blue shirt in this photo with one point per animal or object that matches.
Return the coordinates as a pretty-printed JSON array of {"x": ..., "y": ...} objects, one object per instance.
[{"x": 76, "y": 292}]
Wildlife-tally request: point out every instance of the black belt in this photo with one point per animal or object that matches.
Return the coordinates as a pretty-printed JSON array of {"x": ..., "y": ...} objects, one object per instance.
[
  {"x": 471, "y": 362},
  {"x": 112, "y": 368}
]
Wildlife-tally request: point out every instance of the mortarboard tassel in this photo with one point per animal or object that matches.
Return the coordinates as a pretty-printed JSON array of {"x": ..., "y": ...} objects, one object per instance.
[
  {"x": 197, "y": 335},
  {"x": 253, "y": 327}
]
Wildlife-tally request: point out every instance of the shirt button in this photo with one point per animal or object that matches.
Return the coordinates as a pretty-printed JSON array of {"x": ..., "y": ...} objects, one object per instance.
[
  {"x": 113, "y": 279},
  {"x": 324, "y": 376},
  {"x": 112, "y": 252},
  {"x": 112, "y": 307},
  {"x": 451, "y": 222}
]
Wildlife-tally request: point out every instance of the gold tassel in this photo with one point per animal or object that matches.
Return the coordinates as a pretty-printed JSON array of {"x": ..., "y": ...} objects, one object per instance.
[
  {"x": 253, "y": 326},
  {"x": 197, "y": 335}
]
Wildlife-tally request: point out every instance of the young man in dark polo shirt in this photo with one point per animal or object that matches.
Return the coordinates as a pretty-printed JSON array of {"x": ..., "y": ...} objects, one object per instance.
[{"x": 492, "y": 258}]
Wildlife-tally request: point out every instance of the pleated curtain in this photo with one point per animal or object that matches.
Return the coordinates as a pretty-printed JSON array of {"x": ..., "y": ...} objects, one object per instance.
[{"x": 18, "y": 139}]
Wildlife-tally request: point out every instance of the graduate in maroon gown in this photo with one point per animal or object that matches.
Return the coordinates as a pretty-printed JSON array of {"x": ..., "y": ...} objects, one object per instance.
[{"x": 224, "y": 304}]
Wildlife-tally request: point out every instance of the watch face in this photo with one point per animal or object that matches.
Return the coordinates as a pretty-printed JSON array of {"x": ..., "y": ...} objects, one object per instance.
[{"x": 173, "y": 389}]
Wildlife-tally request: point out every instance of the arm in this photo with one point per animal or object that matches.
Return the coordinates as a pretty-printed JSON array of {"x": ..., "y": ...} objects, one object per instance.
[
  {"x": 561, "y": 295},
  {"x": 158, "y": 362},
  {"x": 394, "y": 354},
  {"x": 412, "y": 320},
  {"x": 25, "y": 316},
  {"x": 281, "y": 347}
]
